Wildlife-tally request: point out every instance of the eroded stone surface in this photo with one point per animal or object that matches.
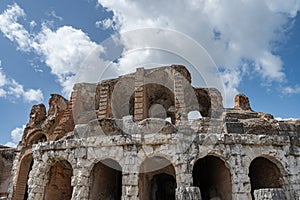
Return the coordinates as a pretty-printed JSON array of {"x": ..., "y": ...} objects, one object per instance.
[
  {"x": 130, "y": 138},
  {"x": 241, "y": 102},
  {"x": 269, "y": 194}
]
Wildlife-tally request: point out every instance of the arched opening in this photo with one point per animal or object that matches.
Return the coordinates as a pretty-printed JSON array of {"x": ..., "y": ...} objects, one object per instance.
[
  {"x": 213, "y": 178},
  {"x": 21, "y": 190},
  {"x": 59, "y": 184},
  {"x": 157, "y": 179},
  {"x": 106, "y": 180},
  {"x": 264, "y": 174},
  {"x": 160, "y": 102},
  {"x": 36, "y": 138},
  {"x": 203, "y": 102},
  {"x": 120, "y": 97},
  {"x": 194, "y": 115}
]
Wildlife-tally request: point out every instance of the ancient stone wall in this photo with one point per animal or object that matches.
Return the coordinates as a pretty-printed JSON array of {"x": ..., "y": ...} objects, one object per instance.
[
  {"x": 235, "y": 150},
  {"x": 131, "y": 138}
]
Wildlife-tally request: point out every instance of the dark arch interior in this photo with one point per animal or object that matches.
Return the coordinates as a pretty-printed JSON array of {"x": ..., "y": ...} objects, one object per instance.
[
  {"x": 59, "y": 184},
  {"x": 157, "y": 179},
  {"x": 203, "y": 102},
  {"x": 213, "y": 178},
  {"x": 163, "y": 187},
  {"x": 264, "y": 174},
  {"x": 106, "y": 180},
  {"x": 26, "y": 189}
]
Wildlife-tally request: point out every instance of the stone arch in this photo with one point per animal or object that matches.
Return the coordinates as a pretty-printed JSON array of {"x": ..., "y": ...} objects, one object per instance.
[
  {"x": 59, "y": 181},
  {"x": 21, "y": 187},
  {"x": 213, "y": 177},
  {"x": 105, "y": 180},
  {"x": 265, "y": 172},
  {"x": 201, "y": 101},
  {"x": 37, "y": 137},
  {"x": 120, "y": 98},
  {"x": 157, "y": 179},
  {"x": 160, "y": 102},
  {"x": 214, "y": 153}
]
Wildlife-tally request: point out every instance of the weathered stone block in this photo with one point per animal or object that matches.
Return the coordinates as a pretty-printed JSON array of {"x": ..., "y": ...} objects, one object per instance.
[
  {"x": 269, "y": 194},
  {"x": 188, "y": 193},
  {"x": 234, "y": 127}
]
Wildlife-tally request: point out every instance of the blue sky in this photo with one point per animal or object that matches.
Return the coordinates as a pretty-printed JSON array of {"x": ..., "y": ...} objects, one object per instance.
[{"x": 44, "y": 46}]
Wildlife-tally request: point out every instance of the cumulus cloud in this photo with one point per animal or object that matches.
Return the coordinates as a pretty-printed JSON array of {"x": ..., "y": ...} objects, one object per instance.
[
  {"x": 32, "y": 95},
  {"x": 291, "y": 90},
  {"x": 13, "y": 30},
  {"x": 10, "y": 88},
  {"x": 231, "y": 33},
  {"x": 16, "y": 136},
  {"x": 63, "y": 50},
  {"x": 107, "y": 23}
]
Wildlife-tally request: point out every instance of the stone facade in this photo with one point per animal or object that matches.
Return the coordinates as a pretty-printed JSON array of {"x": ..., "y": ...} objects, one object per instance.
[{"x": 133, "y": 138}]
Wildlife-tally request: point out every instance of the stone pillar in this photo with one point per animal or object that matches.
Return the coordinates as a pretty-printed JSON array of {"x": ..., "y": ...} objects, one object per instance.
[
  {"x": 14, "y": 176},
  {"x": 184, "y": 178},
  {"x": 240, "y": 180},
  {"x": 38, "y": 178},
  {"x": 80, "y": 183},
  {"x": 140, "y": 111},
  {"x": 269, "y": 194},
  {"x": 130, "y": 188},
  {"x": 188, "y": 193},
  {"x": 130, "y": 175},
  {"x": 180, "y": 107},
  {"x": 291, "y": 183}
]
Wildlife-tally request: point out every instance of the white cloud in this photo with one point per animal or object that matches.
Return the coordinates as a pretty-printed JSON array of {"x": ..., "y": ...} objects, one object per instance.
[
  {"x": 290, "y": 7},
  {"x": 235, "y": 33},
  {"x": 15, "y": 89},
  {"x": 16, "y": 136},
  {"x": 2, "y": 92},
  {"x": 10, "y": 88},
  {"x": 291, "y": 90},
  {"x": 231, "y": 33},
  {"x": 32, "y": 95},
  {"x": 64, "y": 55},
  {"x": 32, "y": 24},
  {"x": 53, "y": 14},
  {"x": 285, "y": 119},
  {"x": 13, "y": 30},
  {"x": 3, "y": 80},
  {"x": 106, "y": 24},
  {"x": 63, "y": 50}
]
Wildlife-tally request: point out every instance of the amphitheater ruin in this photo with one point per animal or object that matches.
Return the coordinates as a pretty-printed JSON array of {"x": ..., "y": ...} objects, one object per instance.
[{"x": 151, "y": 135}]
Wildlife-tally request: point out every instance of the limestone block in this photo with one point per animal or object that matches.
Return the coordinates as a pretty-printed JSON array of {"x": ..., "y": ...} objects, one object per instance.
[
  {"x": 130, "y": 191},
  {"x": 269, "y": 194},
  {"x": 80, "y": 153},
  {"x": 188, "y": 193}
]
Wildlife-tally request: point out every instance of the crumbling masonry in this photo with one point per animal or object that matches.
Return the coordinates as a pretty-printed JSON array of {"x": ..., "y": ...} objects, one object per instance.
[{"x": 137, "y": 137}]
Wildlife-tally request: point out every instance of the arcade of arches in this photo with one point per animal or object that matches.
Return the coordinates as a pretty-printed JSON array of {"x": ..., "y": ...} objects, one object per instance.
[
  {"x": 207, "y": 151},
  {"x": 157, "y": 179}
]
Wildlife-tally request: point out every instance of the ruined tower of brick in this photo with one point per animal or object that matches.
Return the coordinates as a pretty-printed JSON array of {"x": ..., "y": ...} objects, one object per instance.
[{"x": 137, "y": 137}]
